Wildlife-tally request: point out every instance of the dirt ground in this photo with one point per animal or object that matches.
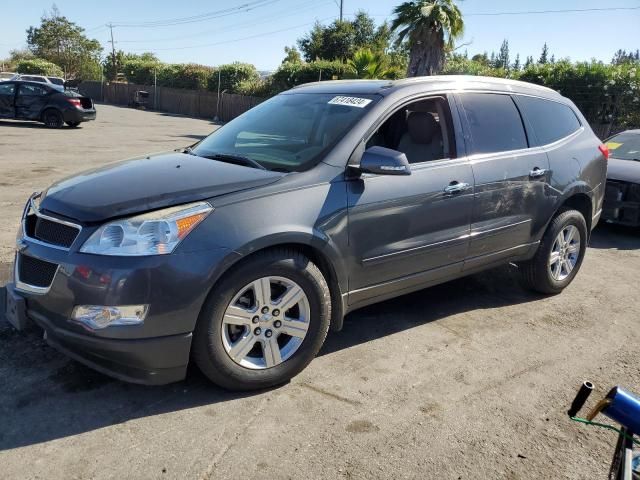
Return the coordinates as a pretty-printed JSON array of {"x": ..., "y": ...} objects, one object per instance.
[{"x": 470, "y": 379}]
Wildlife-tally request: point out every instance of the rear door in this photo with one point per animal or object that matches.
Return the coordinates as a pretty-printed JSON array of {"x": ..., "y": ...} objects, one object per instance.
[
  {"x": 511, "y": 179},
  {"x": 7, "y": 99},
  {"x": 30, "y": 101}
]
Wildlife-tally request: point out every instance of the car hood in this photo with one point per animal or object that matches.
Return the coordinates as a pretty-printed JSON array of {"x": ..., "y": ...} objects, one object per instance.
[
  {"x": 625, "y": 170},
  {"x": 148, "y": 183}
]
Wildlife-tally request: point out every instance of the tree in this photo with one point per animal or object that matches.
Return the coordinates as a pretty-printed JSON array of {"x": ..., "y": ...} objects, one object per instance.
[
  {"x": 62, "y": 42},
  {"x": 528, "y": 62},
  {"x": 292, "y": 55},
  {"x": 544, "y": 56},
  {"x": 368, "y": 64},
  {"x": 429, "y": 27},
  {"x": 341, "y": 39},
  {"x": 502, "y": 60},
  {"x": 516, "y": 63},
  {"x": 621, "y": 57},
  {"x": 121, "y": 58},
  {"x": 481, "y": 58}
]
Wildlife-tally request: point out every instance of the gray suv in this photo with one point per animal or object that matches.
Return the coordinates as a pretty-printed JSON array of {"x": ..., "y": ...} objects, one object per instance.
[{"x": 242, "y": 251}]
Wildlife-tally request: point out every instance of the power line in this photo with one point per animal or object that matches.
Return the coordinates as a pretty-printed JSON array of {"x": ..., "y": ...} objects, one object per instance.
[
  {"x": 303, "y": 7},
  {"x": 538, "y": 12},
  {"x": 527, "y": 12},
  {"x": 246, "y": 7},
  {"x": 239, "y": 39}
]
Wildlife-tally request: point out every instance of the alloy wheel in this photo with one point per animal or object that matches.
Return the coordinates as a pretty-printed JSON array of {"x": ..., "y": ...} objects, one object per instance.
[
  {"x": 266, "y": 322},
  {"x": 565, "y": 253}
]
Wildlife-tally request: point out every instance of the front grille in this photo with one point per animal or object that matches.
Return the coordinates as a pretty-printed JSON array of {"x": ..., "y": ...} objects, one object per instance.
[
  {"x": 615, "y": 191},
  {"x": 49, "y": 231},
  {"x": 35, "y": 272}
]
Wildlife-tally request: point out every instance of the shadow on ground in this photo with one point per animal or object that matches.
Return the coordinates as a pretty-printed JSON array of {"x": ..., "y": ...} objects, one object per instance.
[
  {"x": 45, "y": 396},
  {"x": 618, "y": 237}
]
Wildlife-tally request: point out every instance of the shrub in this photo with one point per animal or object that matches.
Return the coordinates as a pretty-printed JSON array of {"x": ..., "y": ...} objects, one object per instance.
[
  {"x": 38, "y": 66},
  {"x": 141, "y": 72},
  {"x": 232, "y": 76},
  {"x": 291, "y": 74}
]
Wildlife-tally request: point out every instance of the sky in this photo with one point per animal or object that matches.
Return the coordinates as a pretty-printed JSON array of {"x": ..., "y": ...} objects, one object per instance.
[{"x": 220, "y": 32}]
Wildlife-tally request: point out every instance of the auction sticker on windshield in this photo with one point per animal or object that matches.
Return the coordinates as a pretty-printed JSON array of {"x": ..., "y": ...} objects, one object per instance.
[{"x": 350, "y": 101}]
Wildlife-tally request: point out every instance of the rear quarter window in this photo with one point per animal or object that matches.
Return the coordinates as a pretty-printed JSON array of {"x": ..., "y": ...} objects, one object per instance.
[
  {"x": 550, "y": 120},
  {"x": 494, "y": 123}
]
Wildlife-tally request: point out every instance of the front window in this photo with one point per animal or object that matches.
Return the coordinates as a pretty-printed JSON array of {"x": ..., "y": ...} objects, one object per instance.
[
  {"x": 625, "y": 146},
  {"x": 290, "y": 132}
]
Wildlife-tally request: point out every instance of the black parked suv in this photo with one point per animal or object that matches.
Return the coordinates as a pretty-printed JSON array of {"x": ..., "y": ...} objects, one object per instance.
[
  {"x": 244, "y": 250},
  {"x": 22, "y": 100}
]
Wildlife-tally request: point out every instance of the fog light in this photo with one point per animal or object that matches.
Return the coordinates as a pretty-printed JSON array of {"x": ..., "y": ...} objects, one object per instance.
[{"x": 96, "y": 317}]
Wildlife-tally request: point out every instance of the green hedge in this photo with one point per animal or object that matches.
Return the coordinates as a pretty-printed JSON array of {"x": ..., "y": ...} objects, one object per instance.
[
  {"x": 604, "y": 93},
  {"x": 291, "y": 74},
  {"x": 38, "y": 66},
  {"x": 601, "y": 91},
  {"x": 232, "y": 77},
  {"x": 190, "y": 76}
]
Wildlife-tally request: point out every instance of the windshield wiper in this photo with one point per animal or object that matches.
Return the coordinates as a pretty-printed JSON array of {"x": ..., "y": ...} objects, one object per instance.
[
  {"x": 235, "y": 159},
  {"x": 189, "y": 150}
]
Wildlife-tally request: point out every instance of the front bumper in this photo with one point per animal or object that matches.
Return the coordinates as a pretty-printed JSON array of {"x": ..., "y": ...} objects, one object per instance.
[
  {"x": 622, "y": 203},
  {"x": 155, "y": 352}
]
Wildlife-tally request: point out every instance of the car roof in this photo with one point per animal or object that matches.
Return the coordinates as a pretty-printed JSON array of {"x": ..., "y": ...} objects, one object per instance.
[
  {"x": 32, "y": 82},
  {"x": 435, "y": 82}
]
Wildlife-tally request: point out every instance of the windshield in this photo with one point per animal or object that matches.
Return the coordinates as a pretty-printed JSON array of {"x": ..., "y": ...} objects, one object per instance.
[
  {"x": 625, "y": 146},
  {"x": 56, "y": 80},
  {"x": 289, "y": 132}
]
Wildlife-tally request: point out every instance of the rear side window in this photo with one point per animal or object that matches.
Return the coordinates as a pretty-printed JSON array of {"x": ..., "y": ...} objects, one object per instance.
[
  {"x": 7, "y": 88},
  {"x": 32, "y": 91},
  {"x": 551, "y": 120},
  {"x": 494, "y": 121}
]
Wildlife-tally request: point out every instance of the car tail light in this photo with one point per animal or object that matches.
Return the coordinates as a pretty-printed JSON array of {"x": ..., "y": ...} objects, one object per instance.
[
  {"x": 75, "y": 102},
  {"x": 604, "y": 150}
]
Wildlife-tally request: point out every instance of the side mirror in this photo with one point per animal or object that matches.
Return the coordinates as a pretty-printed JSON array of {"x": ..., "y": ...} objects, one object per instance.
[{"x": 384, "y": 161}]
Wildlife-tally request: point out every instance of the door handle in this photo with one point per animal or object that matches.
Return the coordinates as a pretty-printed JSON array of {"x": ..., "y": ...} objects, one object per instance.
[
  {"x": 456, "y": 187},
  {"x": 537, "y": 172}
]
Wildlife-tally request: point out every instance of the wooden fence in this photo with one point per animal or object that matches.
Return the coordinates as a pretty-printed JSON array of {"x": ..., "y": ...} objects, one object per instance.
[{"x": 194, "y": 103}]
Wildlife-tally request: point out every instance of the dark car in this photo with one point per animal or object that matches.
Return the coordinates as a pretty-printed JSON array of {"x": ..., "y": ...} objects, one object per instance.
[
  {"x": 622, "y": 196},
  {"x": 244, "y": 250},
  {"x": 24, "y": 100}
]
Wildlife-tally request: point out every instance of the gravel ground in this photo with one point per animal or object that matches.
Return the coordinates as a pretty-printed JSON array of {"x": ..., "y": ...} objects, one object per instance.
[{"x": 470, "y": 379}]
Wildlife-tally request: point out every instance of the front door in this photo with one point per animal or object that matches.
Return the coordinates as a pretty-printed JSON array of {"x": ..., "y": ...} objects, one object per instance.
[
  {"x": 7, "y": 99},
  {"x": 510, "y": 178},
  {"x": 30, "y": 101},
  {"x": 405, "y": 231}
]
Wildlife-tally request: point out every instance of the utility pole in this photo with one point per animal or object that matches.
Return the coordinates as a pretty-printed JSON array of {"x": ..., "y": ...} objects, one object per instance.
[
  {"x": 113, "y": 52},
  {"x": 341, "y": 8}
]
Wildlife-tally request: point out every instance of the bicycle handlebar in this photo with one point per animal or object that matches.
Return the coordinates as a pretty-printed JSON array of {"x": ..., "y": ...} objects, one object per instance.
[{"x": 619, "y": 405}]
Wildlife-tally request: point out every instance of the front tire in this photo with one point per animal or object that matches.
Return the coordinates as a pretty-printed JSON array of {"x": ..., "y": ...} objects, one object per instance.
[
  {"x": 559, "y": 254},
  {"x": 264, "y": 322},
  {"x": 52, "y": 118}
]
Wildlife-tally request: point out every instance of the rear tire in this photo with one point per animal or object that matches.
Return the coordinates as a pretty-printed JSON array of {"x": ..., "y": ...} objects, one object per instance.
[
  {"x": 52, "y": 118},
  {"x": 559, "y": 255},
  {"x": 73, "y": 124},
  {"x": 236, "y": 309}
]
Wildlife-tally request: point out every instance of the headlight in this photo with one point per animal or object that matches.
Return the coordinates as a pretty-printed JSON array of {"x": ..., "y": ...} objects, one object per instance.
[{"x": 153, "y": 233}]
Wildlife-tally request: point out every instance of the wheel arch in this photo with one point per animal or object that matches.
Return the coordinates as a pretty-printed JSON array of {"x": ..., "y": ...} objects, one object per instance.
[
  {"x": 581, "y": 201},
  {"x": 50, "y": 107},
  {"x": 314, "y": 252}
]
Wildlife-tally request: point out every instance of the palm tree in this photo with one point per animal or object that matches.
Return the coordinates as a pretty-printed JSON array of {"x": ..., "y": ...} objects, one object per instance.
[
  {"x": 429, "y": 27},
  {"x": 368, "y": 64}
]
